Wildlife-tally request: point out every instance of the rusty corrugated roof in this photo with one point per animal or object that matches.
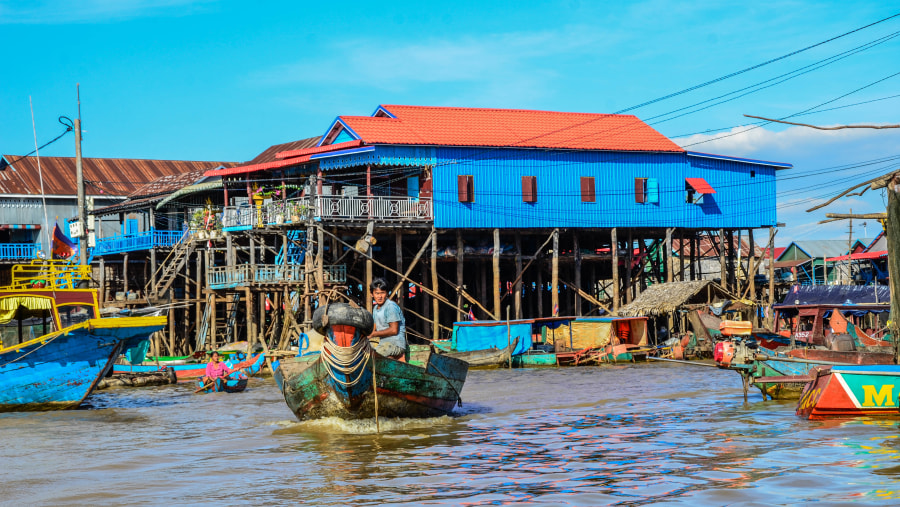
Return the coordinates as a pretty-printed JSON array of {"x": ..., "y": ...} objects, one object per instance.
[
  {"x": 112, "y": 176},
  {"x": 271, "y": 151}
]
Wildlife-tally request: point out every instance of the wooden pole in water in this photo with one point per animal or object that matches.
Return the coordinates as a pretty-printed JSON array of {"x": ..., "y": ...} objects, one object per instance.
[
  {"x": 554, "y": 275},
  {"x": 495, "y": 265},
  {"x": 517, "y": 301},
  {"x": 722, "y": 271},
  {"x": 614, "y": 250},
  {"x": 669, "y": 259},
  {"x": 892, "y": 232},
  {"x": 577, "y": 297},
  {"x": 771, "y": 319},
  {"x": 460, "y": 260},
  {"x": 629, "y": 255},
  {"x": 398, "y": 246},
  {"x": 435, "y": 304},
  {"x": 508, "y": 337}
]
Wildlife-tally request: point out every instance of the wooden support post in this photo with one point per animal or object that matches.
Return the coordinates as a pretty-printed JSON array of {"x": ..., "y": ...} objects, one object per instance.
[
  {"x": 540, "y": 289},
  {"x": 198, "y": 293},
  {"x": 495, "y": 265},
  {"x": 102, "y": 281},
  {"x": 369, "y": 277},
  {"x": 252, "y": 254},
  {"x": 629, "y": 260},
  {"x": 250, "y": 323},
  {"x": 722, "y": 267},
  {"x": 681, "y": 265},
  {"x": 614, "y": 251},
  {"x": 642, "y": 251},
  {"x": 424, "y": 307},
  {"x": 435, "y": 304},
  {"x": 517, "y": 300},
  {"x": 669, "y": 260},
  {"x": 751, "y": 272},
  {"x": 554, "y": 276},
  {"x": 892, "y": 232},
  {"x": 460, "y": 261},
  {"x": 398, "y": 246},
  {"x": 229, "y": 250},
  {"x": 770, "y": 321},
  {"x": 732, "y": 276},
  {"x": 694, "y": 258},
  {"x": 171, "y": 341},
  {"x": 125, "y": 274},
  {"x": 577, "y": 248},
  {"x": 320, "y": 258}
]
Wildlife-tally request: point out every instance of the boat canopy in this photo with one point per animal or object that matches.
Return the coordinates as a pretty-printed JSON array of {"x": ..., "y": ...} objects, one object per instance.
[{"x": 35, "y": 306}]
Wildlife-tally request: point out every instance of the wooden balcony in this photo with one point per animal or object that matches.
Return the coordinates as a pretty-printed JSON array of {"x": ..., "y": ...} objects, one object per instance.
[
  {"x": 244, "y": 275},
  {"x": 328, "y": 208},
  {"x": 140, "y": 241}
]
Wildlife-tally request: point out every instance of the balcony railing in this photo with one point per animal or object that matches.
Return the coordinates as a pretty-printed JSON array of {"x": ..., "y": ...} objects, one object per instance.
[
  {"x": 381, "y": 208},
  {"x": 225, "y": 277},
  {"x": 344, "y": 208},
  {"x": 251, "y": 216},
  {"x": 140, "y": 241},
  {"x": 18, "y": 251}
]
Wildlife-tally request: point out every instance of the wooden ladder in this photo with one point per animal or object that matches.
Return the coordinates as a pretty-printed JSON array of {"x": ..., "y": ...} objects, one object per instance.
[{"x": 174, "y": 262}]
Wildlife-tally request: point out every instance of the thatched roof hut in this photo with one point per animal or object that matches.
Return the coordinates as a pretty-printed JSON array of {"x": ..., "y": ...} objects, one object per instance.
[{"x": 666, "y": 298}]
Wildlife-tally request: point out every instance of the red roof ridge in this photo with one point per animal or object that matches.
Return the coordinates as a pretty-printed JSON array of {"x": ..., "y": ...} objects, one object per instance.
[
  {"x": 319, "y": 149},
  {"x": 256, "y": 167},
  {"x": 460, "y": 108}
]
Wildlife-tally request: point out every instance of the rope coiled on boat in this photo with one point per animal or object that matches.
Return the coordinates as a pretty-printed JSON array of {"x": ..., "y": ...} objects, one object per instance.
[{"x": 346, "y": 360}]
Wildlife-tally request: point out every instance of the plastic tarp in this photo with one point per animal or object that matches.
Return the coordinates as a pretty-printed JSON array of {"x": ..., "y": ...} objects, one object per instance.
[
  {"x": 10, "y": 305},
  {"x": 590, "y": 334},
  {"x": 469, "y": 336},
  {"x": 837, "y": 295}
]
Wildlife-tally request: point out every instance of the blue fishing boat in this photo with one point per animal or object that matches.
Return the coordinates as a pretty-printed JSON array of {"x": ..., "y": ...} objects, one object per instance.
[
  {"x": 194, "y": 370},
  {"x": 54, "y": 348},
  {"x": 232, "y": 383}
]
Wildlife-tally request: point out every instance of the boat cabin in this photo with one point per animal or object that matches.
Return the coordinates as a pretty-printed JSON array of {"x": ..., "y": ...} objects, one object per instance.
[
  {"x": 27, "y": 314},
  {"x": 808, "y": 313}
]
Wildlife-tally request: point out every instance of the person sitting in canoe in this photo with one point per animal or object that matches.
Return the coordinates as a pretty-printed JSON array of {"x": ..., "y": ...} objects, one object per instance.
[
  {"x": 215, "y": 369},
  {"x": 390, "y": 325}
]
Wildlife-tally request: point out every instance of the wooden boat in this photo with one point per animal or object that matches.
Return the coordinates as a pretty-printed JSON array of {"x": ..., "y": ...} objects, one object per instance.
[
  {"x": 339, "y": 381},
  {"x": 534, "y": 359},
  {"x": 593, "y": 340},
  {"x": 487, "y": 358},
  {"x": 783, "y": 375},
  {"x": 233, "y": 383},
  {"x": 851, "y": 391},
  {"x": 54, "y": 348},
  {"x": 191, "y": 371}
]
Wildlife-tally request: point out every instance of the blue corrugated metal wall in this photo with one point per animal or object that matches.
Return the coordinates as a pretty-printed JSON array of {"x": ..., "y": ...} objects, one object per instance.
[{"x": 740, "y": 201}]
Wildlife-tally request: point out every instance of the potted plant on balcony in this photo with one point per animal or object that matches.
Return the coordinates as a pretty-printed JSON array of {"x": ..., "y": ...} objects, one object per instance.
[{"x": 298, "y": 210}]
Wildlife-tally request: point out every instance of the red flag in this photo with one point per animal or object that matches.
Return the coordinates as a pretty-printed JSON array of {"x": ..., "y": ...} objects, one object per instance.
[{"x": 61, "y": 247}]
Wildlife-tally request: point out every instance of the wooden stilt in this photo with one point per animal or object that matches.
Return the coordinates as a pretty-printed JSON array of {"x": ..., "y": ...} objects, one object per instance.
[
  {"x": 722, "y": 267},
  {"x": 554, "y": 276},
  {"x": 614, "y": 251},
  {"x": 460, "y": 262},
  {"x": 681, "y": 255},
  {"x": 517, "y": 300},
  {"x": 125, "y": 274},
  {"x": 435, "y": 304},
  {"x": 577, "y": 249},
  {"x": 103, "y": 298},
  {"x": 629, "y": 255},
  {"x": 771, "y": 295},
  {"x": 540, "y": 288},
  {"x": 424, "y": 307},
  {"x": 751, "y": 254},
  {"x": 320, "y": 258},
  {"x": 669, "y": 260},
  {"x": 694, "y": 258},
  {"x": 495, "y": 265},
  {"x": 198, "y": 296},
  {"x": 642, "y": 275},
  {"x": 732, "y": 275},
  {"x": 398, "y": 247}
]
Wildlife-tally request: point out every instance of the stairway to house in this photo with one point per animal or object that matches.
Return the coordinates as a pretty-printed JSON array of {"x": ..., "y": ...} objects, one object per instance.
[
  {"x": 224, "y": 325},
  {"x": 296, "y": 248},
  {"x": 170, "y": 267}
]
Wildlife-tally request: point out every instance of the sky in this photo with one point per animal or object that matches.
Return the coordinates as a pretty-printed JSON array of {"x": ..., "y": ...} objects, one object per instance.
[{"x": 223, "y": 80}]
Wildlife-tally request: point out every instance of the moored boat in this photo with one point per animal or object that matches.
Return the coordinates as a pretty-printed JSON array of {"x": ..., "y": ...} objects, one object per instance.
[
  {"x": 487, "y": 358},
  {"x": 189, "y": 371},
  {"x": 851, "y": 391},
  {"x": 349, "y": 380},
  {"x": 54, "y": 347},
  {"x": 233, "y": 383}
]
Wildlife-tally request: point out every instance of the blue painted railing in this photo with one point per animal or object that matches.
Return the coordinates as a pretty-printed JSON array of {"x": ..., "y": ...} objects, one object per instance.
[
  {"x": 18, "y": 250},
  {"x": 140, "y": 241}
]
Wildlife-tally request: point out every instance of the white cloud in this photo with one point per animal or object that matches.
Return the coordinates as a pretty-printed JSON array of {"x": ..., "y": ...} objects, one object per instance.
[{"x": 90, "y": 11}]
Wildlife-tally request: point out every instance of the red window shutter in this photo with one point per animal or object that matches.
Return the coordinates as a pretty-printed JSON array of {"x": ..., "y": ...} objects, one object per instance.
[
  {"x": 587, "y": 189},
  {"x": 640, "y": 196},
  {"x": 470, "y": 187},
  {"x": 462, "y": 187},
  {"x": 529, "y": 189}
]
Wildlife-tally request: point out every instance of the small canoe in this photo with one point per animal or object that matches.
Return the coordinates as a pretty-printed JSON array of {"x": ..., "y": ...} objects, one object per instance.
[
  {"x": 534, "y": 359},
  {"x": 488, "y": 358},
  {"x": 192, "y": 370},
  {"x": 234, "y": 383},
  {"x": 339, "y": 381},
  {"x": 851, "y": 391}
]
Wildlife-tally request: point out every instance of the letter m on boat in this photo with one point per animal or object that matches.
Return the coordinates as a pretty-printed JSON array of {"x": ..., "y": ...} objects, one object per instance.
[{"x": 881, "y": 398}]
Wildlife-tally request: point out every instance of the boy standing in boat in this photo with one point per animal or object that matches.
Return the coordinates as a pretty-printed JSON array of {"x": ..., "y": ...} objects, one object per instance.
[{"x": 390, "y": 325}]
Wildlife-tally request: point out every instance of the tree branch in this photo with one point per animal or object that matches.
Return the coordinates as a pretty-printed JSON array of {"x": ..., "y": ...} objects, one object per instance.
[{"x": 838, "y": 127}]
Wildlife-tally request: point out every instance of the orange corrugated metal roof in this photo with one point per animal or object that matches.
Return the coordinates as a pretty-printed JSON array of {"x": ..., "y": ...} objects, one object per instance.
[
  {"x": 258, "y": 167},
  {"x": 700, "y": 185},
  {"x": 112, "y": 176},
  {"x": 319, "y": 149},
  {"x": 458, "y": 126}
]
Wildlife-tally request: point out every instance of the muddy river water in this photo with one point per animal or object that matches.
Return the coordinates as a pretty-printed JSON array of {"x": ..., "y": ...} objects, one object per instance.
[{"x": 640, "y": 434}]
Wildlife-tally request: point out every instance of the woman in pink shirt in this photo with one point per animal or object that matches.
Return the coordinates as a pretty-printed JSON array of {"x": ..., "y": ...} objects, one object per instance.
[{"x": 215, "y": 369}]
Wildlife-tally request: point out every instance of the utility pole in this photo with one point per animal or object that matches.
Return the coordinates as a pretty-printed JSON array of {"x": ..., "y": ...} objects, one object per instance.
[
  {"x": 79, "y": 176},
  {"x": 850, "y": 251}
]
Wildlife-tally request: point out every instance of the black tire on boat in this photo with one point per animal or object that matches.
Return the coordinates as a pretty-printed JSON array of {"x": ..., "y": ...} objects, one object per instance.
[{"x": 342, "y": 314}]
